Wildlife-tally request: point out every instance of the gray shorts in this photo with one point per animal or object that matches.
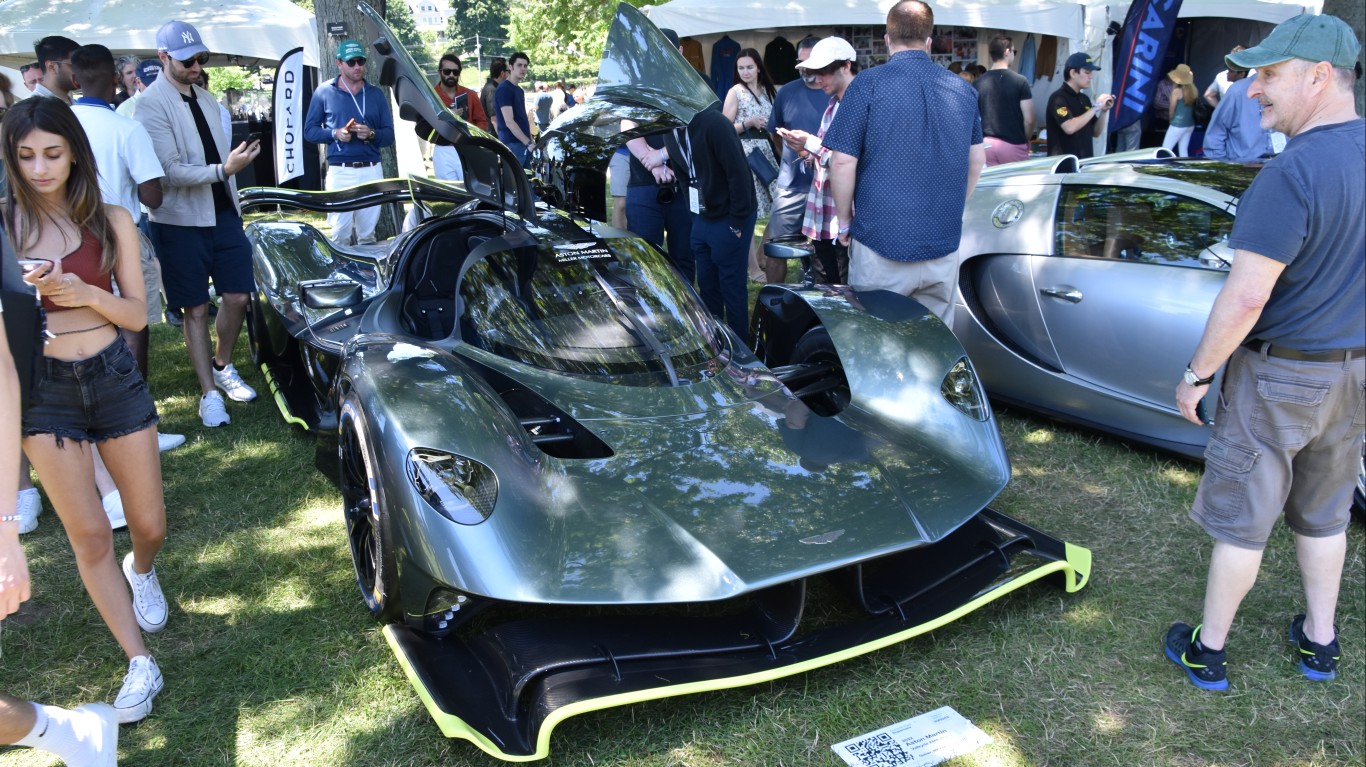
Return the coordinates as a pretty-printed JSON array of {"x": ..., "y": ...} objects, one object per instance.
[
  {"x": 785, "y": 217},
  {"x": 619, "y": 173},
  {"x": 1286, "y": 437}
]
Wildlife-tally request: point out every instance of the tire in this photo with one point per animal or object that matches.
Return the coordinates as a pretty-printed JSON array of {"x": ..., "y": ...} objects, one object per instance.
[
  {"x": 367, "y": 520},
  {"x": 827, "y": 395}
]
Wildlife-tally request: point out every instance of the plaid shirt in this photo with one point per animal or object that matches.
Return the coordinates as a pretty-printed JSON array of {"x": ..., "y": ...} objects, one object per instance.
[{"x": 820, "y": 221}]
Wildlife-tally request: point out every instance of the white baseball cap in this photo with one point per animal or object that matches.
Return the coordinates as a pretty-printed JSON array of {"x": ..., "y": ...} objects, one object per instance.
[{"x": 827, "y": 52}]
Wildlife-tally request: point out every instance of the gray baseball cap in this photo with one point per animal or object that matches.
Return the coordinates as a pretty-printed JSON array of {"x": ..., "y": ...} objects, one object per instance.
[
  {"x": 1307, "y": 36},
  {"x": 180, "y": 40}
]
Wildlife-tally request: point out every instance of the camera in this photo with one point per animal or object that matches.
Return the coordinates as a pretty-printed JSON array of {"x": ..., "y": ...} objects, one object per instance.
[{"x": 666, "y": 193}]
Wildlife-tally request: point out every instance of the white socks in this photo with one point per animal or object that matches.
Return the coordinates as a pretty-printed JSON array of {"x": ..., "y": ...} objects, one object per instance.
[{"x": 87, "y": 736}]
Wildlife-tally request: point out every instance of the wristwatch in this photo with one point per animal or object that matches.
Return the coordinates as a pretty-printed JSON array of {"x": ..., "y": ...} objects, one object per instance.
[{"x": 1192, "y": 379}]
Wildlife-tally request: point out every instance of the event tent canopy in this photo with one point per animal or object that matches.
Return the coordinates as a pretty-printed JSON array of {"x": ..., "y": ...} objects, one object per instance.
[
  {"x": 701, "y": 17},
  {"x": 238, "y": 32}
]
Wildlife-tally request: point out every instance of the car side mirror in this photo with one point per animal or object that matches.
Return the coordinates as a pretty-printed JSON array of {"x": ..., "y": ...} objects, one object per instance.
[
  {"x": 330, "y": 294},
  {"x": 796, "y": 246},
  {"x": 1217, "y": 256}
]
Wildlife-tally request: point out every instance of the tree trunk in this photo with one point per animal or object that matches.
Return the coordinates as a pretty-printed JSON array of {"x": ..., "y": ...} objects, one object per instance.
[{"x": 332, "y": 12}]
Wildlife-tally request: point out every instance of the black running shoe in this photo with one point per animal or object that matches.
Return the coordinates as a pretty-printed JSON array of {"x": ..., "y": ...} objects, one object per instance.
[
  {"x": 1318, "y": 662},
  {"x": 1207, "y": 670}
]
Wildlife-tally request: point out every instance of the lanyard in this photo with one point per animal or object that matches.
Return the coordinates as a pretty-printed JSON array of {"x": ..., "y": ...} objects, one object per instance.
[
  {"x": 360, "y": 106},
  {"x": 685, "y": 148}
]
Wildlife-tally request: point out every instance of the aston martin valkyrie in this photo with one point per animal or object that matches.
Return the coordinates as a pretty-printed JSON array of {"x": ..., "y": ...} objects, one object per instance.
[{"x": 566, "y": 486}]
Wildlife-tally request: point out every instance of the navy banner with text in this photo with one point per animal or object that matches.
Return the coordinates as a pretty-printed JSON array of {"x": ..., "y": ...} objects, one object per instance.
[{"x": 1138, "y": 57}]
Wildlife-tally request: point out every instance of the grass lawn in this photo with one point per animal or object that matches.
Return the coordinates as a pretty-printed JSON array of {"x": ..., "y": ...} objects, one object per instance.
[{"x": 270, "y": 659}]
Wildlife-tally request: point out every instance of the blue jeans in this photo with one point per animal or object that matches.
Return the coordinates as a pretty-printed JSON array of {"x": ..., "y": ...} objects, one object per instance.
[
  {"x": 722, "y": 270},
  {"x": 518, "y": 151},
  {"x": 650, "y": 219}
]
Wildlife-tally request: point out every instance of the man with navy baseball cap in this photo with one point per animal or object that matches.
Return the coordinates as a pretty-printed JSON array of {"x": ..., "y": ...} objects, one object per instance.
[
  {"x": 1071, "y": 119},
  {"x": 198, "y": 228}
]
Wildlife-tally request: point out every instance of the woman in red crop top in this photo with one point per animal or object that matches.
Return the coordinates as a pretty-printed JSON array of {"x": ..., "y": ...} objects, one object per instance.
[{"x": 90, "y": 390}]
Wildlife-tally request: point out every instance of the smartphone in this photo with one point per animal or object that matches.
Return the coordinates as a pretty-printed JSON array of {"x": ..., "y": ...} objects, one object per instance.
[
  {"x": 253, "y": 137},
  {"x": 1201, "y": 413},
  {"x": 31, "y": 265}
]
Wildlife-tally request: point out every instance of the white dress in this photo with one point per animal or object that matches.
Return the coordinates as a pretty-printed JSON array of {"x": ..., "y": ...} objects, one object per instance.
[{"x": 748, "y": 106}]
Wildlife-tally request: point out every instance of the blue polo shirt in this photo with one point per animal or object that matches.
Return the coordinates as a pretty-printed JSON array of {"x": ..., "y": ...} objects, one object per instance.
[
  {"x": 911, "y": 124},
  {"x": 332, "y": 108}
]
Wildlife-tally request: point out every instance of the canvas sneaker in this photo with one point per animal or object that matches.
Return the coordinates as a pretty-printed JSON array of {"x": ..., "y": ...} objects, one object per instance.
[
  {"x": 1207, "y": 670},
  {"x": 149, "y": 604},
  {"x": 212, "y": 411},
  {"x": 169, "y": 441},
  {"x": 232, "y": 384},
  {"x": 1318, "y": 662},
  {"x": 96, "y": 727},
  {"x": 28, "y": 506},
  {"x": 113, "y": 508},
  {"x": 141, "y": 684}
]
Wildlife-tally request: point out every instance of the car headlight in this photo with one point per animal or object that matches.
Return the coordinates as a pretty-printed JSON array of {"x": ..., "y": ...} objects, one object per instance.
[
  {"x": 962, "y": 389},
  {"x": 462, "y": 490}
]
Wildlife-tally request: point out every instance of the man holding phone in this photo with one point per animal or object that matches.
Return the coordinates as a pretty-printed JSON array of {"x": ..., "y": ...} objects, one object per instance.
[
  {"x": 466, "y": 105},
  {"x": 198, "y": 227},
  {"x": 351, "y": 118}
]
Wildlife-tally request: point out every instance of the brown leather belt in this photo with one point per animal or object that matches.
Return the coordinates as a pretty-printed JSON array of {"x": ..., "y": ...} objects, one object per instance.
[
  {"x": 353, "y": 164},
  {"x": 1334, "y": 355}
]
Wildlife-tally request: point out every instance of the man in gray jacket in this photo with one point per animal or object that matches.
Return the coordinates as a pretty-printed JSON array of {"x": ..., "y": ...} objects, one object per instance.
[{"x": 198, "y": 228}]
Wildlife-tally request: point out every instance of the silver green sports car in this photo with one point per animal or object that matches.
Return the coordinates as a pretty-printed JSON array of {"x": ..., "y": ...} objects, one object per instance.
[{"x": 567, "y": 487}]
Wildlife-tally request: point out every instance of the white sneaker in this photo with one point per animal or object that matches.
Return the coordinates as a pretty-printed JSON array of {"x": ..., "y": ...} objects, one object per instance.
[
  {"x": 113, "y": 508},
  {"x": 96, "y": 727},
  {"x": 149, "y": 604},
  {"x": 232, "y": 384},
  {"x": 169, "y": 441},
  {"x": 212, "y": 411},
  {"x": 28, "y": 507},
  {"x": 141, "y": 684}
]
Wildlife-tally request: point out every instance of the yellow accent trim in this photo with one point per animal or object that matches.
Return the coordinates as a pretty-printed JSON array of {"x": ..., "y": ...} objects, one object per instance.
[
  {"x": 280, "y": 399},
  {"x": 1076, "y": 569}
]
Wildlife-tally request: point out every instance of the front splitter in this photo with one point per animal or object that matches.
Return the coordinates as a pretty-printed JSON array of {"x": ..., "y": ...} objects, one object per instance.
[{"x": 512, "y": 719}]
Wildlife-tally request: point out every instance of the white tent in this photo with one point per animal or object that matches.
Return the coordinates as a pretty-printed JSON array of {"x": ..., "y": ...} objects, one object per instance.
[
  {"x": 238, "y": 32},
  {"x": 701, "y": 17}
]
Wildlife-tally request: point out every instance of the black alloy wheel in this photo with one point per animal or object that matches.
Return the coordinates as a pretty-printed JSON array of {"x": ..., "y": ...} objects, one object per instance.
[{"x": 367, "y": 523}]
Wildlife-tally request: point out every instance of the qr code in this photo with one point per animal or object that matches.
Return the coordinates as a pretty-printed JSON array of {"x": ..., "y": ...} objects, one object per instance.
[{"x": 879, "y": 751}]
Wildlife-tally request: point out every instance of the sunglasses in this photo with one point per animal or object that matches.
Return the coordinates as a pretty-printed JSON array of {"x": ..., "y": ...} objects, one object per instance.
[
  {"x": 356, "y": 62},
  {"x": 445, "y": 71},
  {"x": 200, "y": 59},
  {"x": 27, "y": 67}
]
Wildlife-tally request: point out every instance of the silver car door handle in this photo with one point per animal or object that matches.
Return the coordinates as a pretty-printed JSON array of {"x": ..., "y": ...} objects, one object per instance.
[{"x": 1066, "y": 294}]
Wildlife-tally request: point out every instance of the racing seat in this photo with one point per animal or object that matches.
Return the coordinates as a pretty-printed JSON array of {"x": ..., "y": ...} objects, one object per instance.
[{"x": 429, "y": 309}]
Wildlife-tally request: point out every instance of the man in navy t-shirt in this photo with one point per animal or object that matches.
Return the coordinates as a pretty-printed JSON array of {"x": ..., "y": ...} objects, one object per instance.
[
  {"x": 1287, "y": 425},
  {"x": 796, "y": 114},
  {"x": 513, "y": 127}
]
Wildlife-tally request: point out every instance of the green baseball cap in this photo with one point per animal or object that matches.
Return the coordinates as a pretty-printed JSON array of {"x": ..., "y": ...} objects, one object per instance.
[
  {"x": 1307, "y": 36},
  {"x": 350, "y": 49}
]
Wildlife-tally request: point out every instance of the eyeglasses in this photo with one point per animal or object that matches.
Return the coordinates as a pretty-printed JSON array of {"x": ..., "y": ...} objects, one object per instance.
[
  {"x": 356, "y": 62},
  {"x": 445, "y": 71},
  {"x": 201, "y": 59}
]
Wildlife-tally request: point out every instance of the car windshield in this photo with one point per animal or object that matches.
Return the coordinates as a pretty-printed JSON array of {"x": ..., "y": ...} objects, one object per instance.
[{"x": 618, "y": 314}]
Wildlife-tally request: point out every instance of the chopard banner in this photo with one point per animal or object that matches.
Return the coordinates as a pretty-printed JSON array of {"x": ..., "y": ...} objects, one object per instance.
[
  {"x": 1138, "y": 57},
  {"x": 289, "y": 117}
]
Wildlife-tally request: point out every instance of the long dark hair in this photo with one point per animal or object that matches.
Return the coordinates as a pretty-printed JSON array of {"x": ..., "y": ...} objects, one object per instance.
[
  {"x": 765, "y": 81},
  {"x": 26, "y": 206}
]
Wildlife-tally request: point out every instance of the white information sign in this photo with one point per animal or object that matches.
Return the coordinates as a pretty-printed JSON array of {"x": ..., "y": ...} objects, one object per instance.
[{"x": 921, "y": 741}]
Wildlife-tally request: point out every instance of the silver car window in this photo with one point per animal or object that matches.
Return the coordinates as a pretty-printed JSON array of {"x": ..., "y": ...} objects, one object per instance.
[{"x": 1141, "y": 225}]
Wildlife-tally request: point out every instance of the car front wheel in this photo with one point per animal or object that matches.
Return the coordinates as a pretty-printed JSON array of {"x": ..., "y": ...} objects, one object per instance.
[{"x": 367, "y": 521}]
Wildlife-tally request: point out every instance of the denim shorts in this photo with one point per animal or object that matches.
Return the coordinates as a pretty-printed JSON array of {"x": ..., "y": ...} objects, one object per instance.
[{"x": 91, "y": 400}]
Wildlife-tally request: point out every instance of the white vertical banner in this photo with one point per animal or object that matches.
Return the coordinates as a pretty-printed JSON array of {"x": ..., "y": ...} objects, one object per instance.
[{"x": 289, "y": 117}]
